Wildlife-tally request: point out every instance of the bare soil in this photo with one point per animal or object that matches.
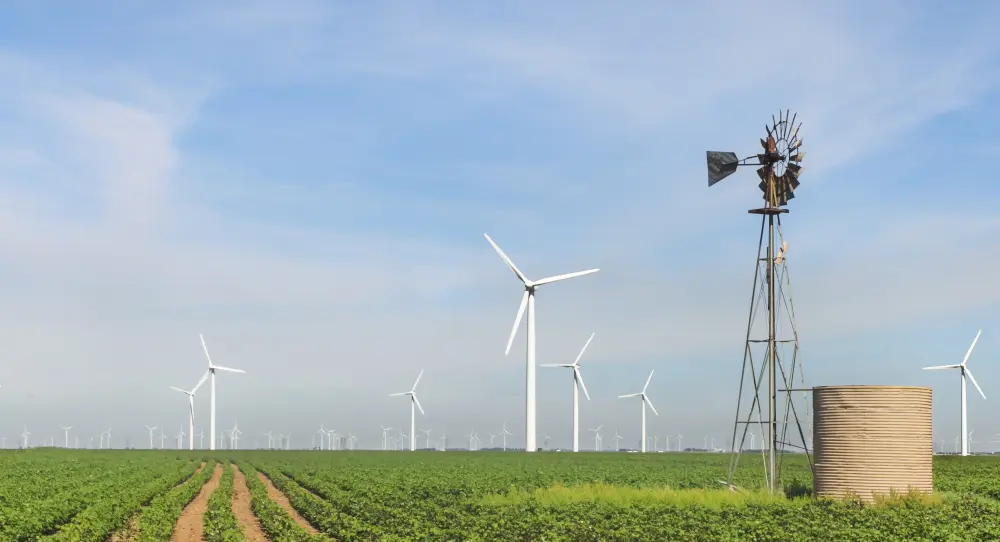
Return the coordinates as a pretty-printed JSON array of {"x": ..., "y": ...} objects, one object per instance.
[
  {"x": 282, "y": 500},
  {"x": 241, "y": 509},
  {"x": 190, "y": 526},
  {"x": 131, "y": 530}
]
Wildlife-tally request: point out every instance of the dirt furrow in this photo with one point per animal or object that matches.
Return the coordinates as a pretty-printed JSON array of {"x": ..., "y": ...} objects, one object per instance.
[
  {"x": 131, "y": 530},
  {"x": 241, "y": 509},
  {"x": 282, "y": 501},
  {"x": 190, "y": 525}
]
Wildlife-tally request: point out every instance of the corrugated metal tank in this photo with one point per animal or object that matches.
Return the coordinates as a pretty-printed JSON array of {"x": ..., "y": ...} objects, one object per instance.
[{"x": 872, "y": 439}]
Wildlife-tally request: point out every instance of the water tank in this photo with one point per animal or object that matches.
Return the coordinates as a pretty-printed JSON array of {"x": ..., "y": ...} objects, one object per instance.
[{"x": 869, "y": 440}]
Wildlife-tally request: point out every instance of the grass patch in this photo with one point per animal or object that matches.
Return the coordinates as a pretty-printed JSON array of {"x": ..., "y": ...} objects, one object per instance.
[{"x": 559, "y": 494}]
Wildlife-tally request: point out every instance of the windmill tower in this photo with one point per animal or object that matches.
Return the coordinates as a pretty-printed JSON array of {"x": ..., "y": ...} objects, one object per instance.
[{"x": 778, "y": 168}]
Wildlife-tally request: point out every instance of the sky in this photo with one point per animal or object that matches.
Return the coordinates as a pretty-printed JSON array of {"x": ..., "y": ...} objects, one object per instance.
[{"x": 307, "y": 184}]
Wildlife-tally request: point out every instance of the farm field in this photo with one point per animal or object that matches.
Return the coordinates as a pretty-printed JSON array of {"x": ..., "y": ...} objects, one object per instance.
[{"x": 68, "y": 495}]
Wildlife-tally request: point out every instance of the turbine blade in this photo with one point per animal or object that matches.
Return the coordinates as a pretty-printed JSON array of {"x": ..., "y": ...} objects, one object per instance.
[
  {"x": 647, "y": 381},
  {"x": 517, "y": 321},
  {"x": 508, "y": 261},
  {"x": 398, "y": 394},
  {"x": 564, "y": 277},
  {"x": 939, "y": 367},
  {"x": 556, "y": 365},
  {"x": 629, "y": 395},
  {"x": 584, "y": 349},
  {"x": 178, "y": 389},
  {"x": 969, "y": 353},
  {"x": 650, "y": 405},
  {"x": 415, "y": 382},
  {"x": 974, "y": 383},
  {"x": 417, "y": 401},
  {"x": 204, "y": 377},
  {"x": 579, "y": 378},
  {"x": 228, "y": 369},
  {"x": 205, "y": 348}
]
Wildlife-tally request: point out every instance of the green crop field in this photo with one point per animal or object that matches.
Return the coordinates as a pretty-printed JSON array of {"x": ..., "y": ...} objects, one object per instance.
[{"x": 67, "y": 495}]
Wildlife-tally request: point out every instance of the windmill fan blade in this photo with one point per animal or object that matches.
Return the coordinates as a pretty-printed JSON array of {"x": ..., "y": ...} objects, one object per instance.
[
  {"x": 763, "y": 143},
  {"x": 517, "y": 321},
  {"x": 797, "y": 157},
  {"x": 579, "y": 378},
  {"x": 772, "y": 146},
  {"x": 763, "y": 172},
  {"x": 795, "y": 169},
  {"x": 793, "y": 182},
  {"x": 720, "y": 165},
  {"x": 968, "y": 373},
  {"x": 796, "y": 144}
]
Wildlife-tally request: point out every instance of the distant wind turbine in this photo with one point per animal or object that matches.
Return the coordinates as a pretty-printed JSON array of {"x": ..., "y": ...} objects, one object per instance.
[
  {"x": 190, "y": 396},
  {"x": 414, "y": 402},
  {"x": 150, "y": 429},
  {"x": 963, "y": 373},
  {"x": 528, "y": 302},
  {"x": 577, "y": 385},
  {"x": 597, "y": 438},
  {"x": 66, "y": 434},
  {"x": 385, "y": 436},
  {"x": 211, "y": 370},
  {"x": 645, "y": 401}
]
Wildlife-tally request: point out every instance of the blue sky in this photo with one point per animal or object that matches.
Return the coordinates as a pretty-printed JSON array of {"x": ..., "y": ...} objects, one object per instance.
[{"x": 308, "y": 183}]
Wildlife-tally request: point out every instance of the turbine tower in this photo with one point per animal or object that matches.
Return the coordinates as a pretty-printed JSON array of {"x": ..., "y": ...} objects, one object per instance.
[
  {"x": 645, "y": 401},
  {"x": 577, "y": 385},
  {"x": 528, "y": 302},
  {"x": 66, "y": 434},
  {"x": 964, "y": 373},
  {"x": 414, "y": 404},
  {"x": 190, "y": 395},
  {"x": 211, "y": 371}
]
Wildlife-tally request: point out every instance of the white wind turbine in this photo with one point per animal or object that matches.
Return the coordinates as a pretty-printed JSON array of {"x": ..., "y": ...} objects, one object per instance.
[
  {"x": 24, "y": 436},
  {"x": 180, "y": 438},
  {"x": 201, "y": 439},
  {"x": 645, "y": 401},
  {"x": 109, "y": 438},
  {"x": 617, "y": 438},
  {"x": 66, "y": 434},
  {"x": 963, "y": 372},
  {"x": 190, "y": 396},
  {"x": 150, "y": 429},
  {"x": 505, "y": 433},
  {"x": 211, "y": 371},
  {"x": 427, "y": 435},
  {"x": 528, "y": 302},
  {"x": 577, "y": 385},
  {"x": 597, "y": 438},
  {"x": 385, "y": 436},
  {"x": 235, "y": 435},
  {"x": 414, "y": 402}
]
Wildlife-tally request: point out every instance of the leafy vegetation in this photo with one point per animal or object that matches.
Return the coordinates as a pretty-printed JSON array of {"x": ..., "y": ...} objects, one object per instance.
[
  {"x": 79, "y": 495},
  {"x": 220, "y": 523}
]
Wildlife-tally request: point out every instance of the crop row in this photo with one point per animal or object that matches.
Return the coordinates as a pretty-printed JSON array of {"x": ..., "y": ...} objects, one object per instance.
[
  {"x": 273, "y": 519},
  {"x": 220, "y": 523}
]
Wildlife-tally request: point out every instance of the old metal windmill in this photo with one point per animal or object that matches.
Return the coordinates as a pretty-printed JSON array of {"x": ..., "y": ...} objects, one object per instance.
[{"x": 779, "y": 167}]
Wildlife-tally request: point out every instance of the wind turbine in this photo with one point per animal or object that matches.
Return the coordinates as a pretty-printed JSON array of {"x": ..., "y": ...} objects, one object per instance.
[
  {"x": 236, "y": 434},
  {"x": 385, "y": 436},
  {"x": 493, "y": 437},
  {"x": 617, "y": 438},
  {"x": 963, "y": 372},
  {"x": 427, "y": 435},
  {"x": 66, "y": 434},
  {"x": 211, "y": 370},
  {"x": 597, "y": 438},
  {"x": 505, "y": 433},
  {"x": 190, "y": 395},
  {"x": 24, "y": 435},
  {"x": 201, "y": 439},
  {"x": 180, "y": 438},
  {"x": 528, "y": 301},
  {"x": 413, "y": 413},
  {"x": 163, "y": 439},
  {"x": 645, "y": 401},
  {"x": 577, "y": 384},
  {"x": 150, "y": 429},
  {"x": 109, "y": 438}
]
